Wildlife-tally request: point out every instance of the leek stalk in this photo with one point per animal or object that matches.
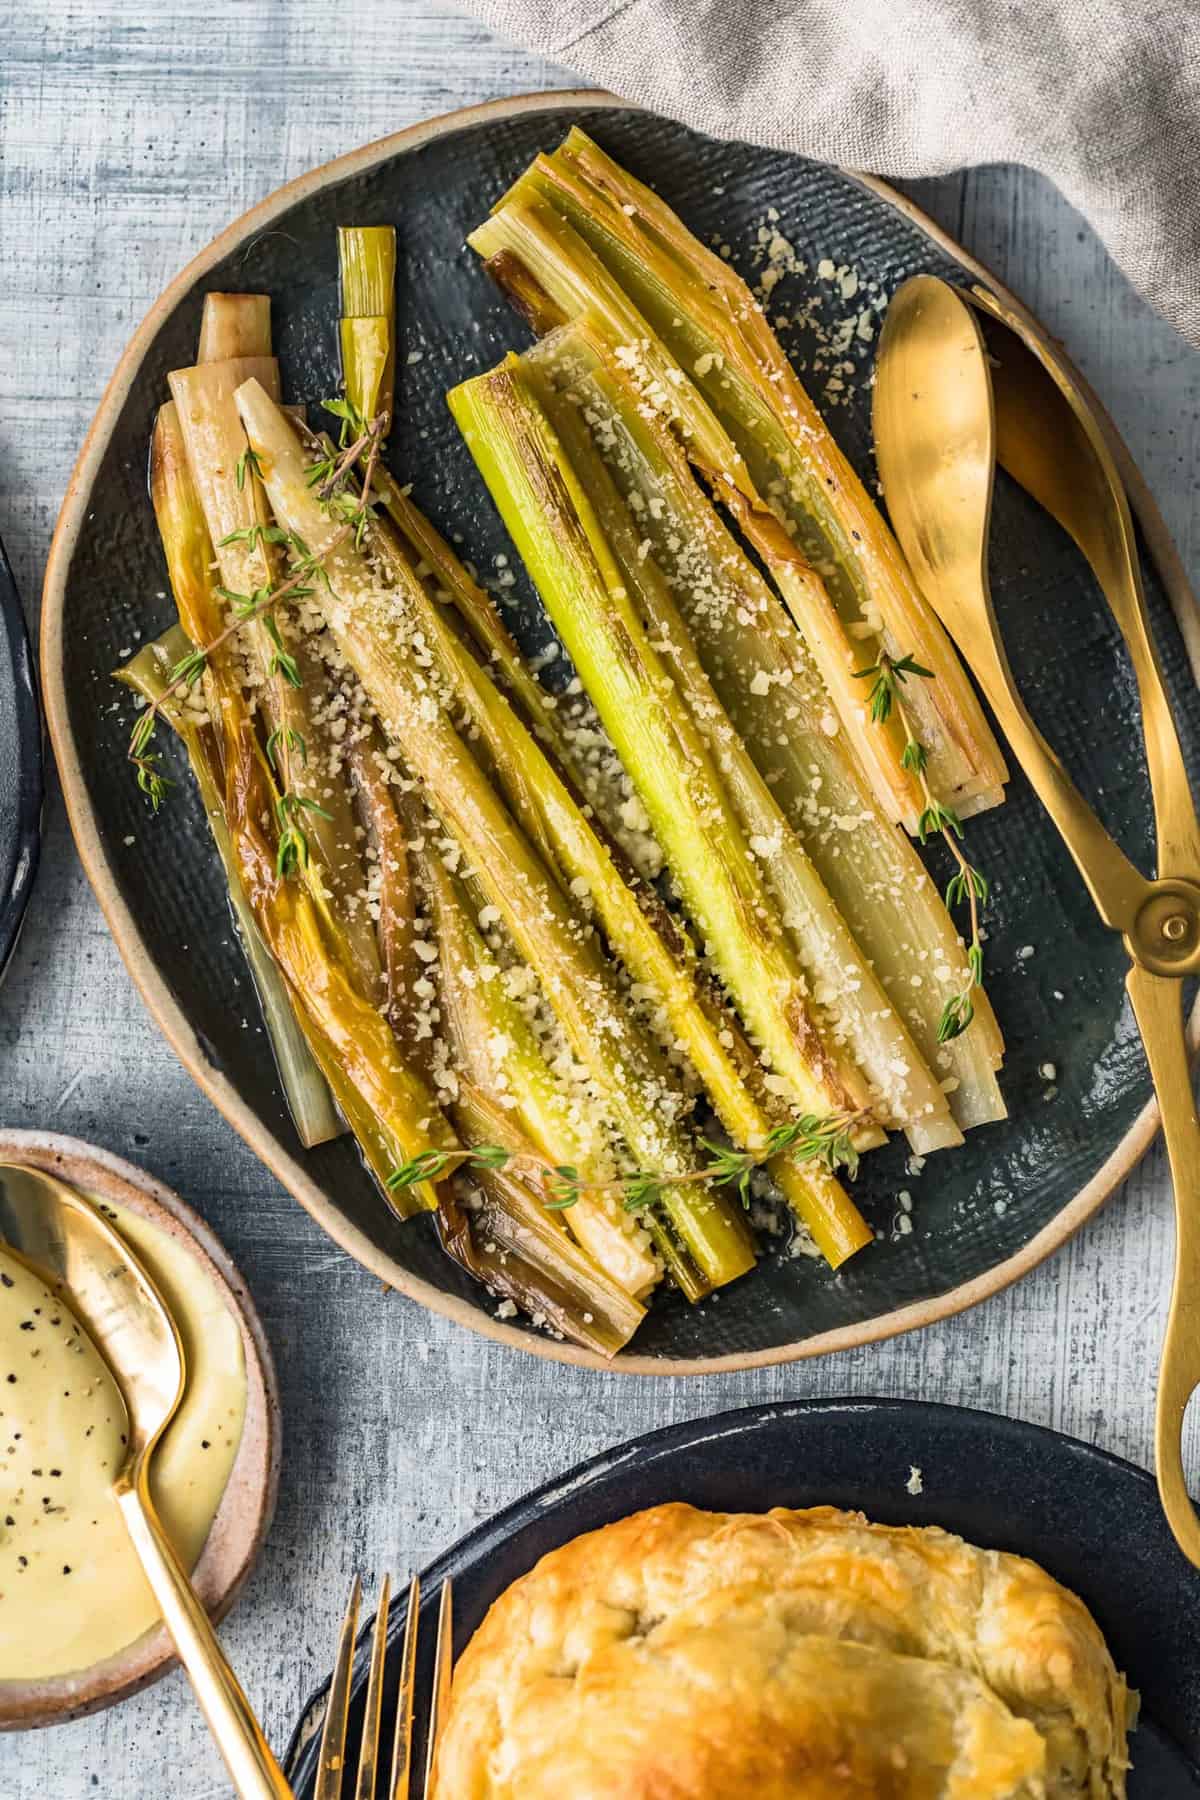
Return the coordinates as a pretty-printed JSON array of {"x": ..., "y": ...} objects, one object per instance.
[
  {"x": 373, "y": 628},
  {"x": 654, "y": 948},
  {"x": 367, "y": 259},
  {"x": 309, "y": 1100},
  {"x": 695, "y": 314},
  {"x": 234, "y": 325},
  {"x": 563, "y": 544},
  {"x": 234, "y": 509},
  {"x": 500, "y": 1056},
  {"x": 716, "y": 609}
]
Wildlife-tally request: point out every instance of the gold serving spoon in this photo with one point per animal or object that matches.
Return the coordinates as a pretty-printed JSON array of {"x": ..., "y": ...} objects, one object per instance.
[
  {"x": 69, "y": 1242},
  {"x": 936, "y": 438}
]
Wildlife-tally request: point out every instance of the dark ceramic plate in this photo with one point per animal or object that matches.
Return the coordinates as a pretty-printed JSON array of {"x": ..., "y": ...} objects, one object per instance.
[
  {"x": 1093, "y": 1521},
  {"x": 20, "y": 765},
  {"x": 992, "y": 1209}
]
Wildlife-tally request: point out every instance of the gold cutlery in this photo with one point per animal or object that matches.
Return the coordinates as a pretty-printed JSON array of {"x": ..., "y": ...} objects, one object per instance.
[
  {"x": 61, "y": 1234},
  {"x": 938, "y": 428},
  {"x": 331, "y": 1767}
]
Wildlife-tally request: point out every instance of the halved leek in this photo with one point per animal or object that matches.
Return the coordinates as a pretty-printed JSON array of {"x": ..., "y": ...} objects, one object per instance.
[
  {"x": 373, "y": 628},
  {"x": 653, "y": 945},
  {"x": 386, "y": 1108},
  {"x": 235, "y": 513},
  {"x": 700, "y": 324},
  {"x": 586, "y": 591},
  {"x": 308, "y": 1096},
  {"x": 234, "y": 325},
  {"x": 367, "y": 259},
  {"x": 780, "y": 713},
  {"x": 499, "y": 1054},
  {"x": 509, "y": 1240}
]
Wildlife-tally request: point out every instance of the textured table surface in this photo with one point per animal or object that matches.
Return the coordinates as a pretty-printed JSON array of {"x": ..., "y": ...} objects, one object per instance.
[{"x": 128, "y": 137}]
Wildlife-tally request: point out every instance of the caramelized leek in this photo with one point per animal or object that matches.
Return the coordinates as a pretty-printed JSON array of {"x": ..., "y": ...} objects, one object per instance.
[
  {"x": 687, "y": 319},
  {"x": 500, "y": 1057},
  {"x": 804, "y": 780},
  {"x": 234, "y": 325},
  {"x": 657, "y": 952},
  {"x": 236, "y": 516},
  {"x": 586, "y": 591},
  {"x": 308, "y": 1097},
  {"x": 374, "y": 630}
]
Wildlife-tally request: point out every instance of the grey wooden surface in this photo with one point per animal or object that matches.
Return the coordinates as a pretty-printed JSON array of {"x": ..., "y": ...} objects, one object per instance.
[{"x": 128, "y": 136}]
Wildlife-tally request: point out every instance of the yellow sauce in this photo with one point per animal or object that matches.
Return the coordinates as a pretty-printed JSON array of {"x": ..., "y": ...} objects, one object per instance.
[{"x": 71, "y": 1589}]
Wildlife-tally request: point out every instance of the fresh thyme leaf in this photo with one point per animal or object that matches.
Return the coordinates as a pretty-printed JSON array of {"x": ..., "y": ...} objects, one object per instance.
[
  {"x": 489, "y": 1156},
  {"x": 188, "y": 670},
  {"x": 151, "y": 782},
  {"x": 427, "y": 1166},
  {"x": 938, "y": 818},
  {"x": 914, "y": 756},
  {"x": 247, "y": 460},
  {"x": 957, "y": 1014}
]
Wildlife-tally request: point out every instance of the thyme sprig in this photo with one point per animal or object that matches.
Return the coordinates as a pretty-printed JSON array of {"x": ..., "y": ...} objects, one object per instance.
[
  {"x": 967, "y": 884},
  {"x": 356, "y": 513},
  {"x": 808, "y": 1139}
]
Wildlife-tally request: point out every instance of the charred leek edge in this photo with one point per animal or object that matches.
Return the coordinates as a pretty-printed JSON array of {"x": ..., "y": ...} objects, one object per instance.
[
  {"x": 773, "y": 695},
  {"x": 710, "y": 321},
  {"x": 502, "y": 1059},
  {"x": 309, "y": 1100},
  {"x": 299, "y": 924},
  {"x": 374, "y": 631},
  {"x": 367, "y": 259},
  {"x": 234, "y": 509},
  {"x": 553, "y": 1277},
  {"x": 563, "y": 544},
  {"x": 305, "y": 937},
  {"x": 234, "y": 325},
  {"x": 655, "y": 950},
  {"x": 849, "y": 1002}
]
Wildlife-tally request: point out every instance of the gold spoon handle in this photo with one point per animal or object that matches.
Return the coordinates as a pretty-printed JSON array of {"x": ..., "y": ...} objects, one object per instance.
[
  {"x": 255, "y": 1773},
  {"x": 1158, "y": 1008},
  {"x": 1116, "y": 887}
]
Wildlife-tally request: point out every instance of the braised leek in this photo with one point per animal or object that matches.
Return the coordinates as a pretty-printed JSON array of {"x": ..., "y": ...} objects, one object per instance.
[{"x": 594, "y": 239}]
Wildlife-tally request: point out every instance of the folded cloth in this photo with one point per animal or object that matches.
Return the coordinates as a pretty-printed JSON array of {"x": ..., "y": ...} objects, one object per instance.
[{"x": 1101, "y": 96}]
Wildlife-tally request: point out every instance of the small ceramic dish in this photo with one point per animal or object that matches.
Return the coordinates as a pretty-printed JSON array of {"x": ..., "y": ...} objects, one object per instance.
[
  {"x": 1075, "y": 1081},
  {"x": 248, "y": 1504}
]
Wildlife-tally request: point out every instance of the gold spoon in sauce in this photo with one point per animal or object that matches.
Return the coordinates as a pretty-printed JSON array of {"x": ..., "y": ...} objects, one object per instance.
[
  {"x": 67, "y": 1240},
  {"x": 936, "y": 442}
]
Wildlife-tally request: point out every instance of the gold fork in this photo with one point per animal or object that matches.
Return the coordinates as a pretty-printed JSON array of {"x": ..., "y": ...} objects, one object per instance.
[{"x": 331, "y": 1769}]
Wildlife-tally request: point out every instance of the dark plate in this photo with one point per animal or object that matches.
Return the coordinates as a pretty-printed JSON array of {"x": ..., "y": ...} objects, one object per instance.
[
  {"x": 20, "y": 765},
  {"x": 1093, "y": 1521},
  {"x": 993, "y": 1208}
]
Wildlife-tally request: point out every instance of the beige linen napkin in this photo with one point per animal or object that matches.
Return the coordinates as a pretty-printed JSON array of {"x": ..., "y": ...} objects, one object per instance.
[{"x": 1102, "y": 96}]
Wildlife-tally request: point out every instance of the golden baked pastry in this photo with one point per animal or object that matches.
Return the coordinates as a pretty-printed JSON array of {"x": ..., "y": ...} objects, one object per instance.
[{"x": 685, "y": 1655}]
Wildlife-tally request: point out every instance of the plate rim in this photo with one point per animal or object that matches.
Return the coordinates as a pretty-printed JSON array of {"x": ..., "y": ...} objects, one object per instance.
[
  {"x": 694, "y": 1433},
  {"x": 17, "y": 650},
  {"x": 218, "y": 1575},
  {"x": 170, "y": 1017}
]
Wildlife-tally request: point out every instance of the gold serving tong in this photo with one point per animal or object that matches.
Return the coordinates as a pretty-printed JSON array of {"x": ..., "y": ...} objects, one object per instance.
[{"x": 948, "y": 402}]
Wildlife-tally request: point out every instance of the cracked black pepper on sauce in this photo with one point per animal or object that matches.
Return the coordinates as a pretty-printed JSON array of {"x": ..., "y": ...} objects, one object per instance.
[{"x": 71, "y": 1589}]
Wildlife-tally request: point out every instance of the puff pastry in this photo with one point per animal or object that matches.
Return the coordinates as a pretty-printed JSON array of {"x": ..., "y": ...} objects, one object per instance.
[{"x": 686, "y": 1655}]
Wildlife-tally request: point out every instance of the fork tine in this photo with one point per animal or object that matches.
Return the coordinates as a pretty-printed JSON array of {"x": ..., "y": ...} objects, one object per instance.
[
  {"x": 337, "y": 1707},
  {"x": 402, "y": 1742},
  {"x": 368, "y": 1749},
  {"x": 443, "y": 1664}
]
